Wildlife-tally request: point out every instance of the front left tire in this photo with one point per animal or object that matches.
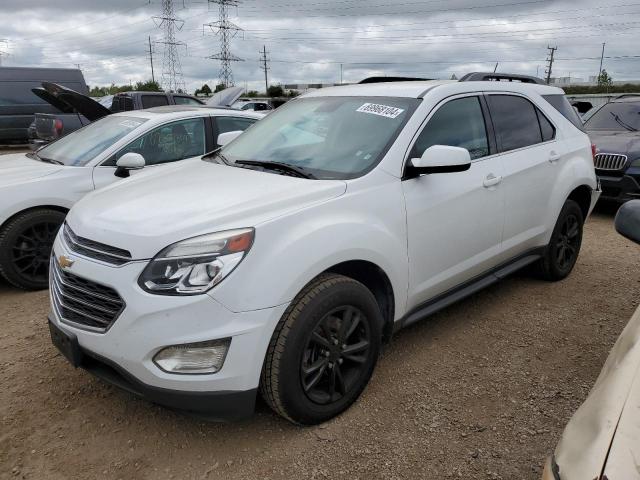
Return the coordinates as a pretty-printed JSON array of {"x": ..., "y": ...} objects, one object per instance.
[
  {"x": 25, "y": 248},
  {"x": 323, "y": 351}
]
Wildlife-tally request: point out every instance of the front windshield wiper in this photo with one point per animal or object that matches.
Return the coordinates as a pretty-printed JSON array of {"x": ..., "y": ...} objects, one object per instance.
[
  {"x": 299, "y": 171},
  {"x": 35, "y": 156},
  {"x": 620, "y": 122}
]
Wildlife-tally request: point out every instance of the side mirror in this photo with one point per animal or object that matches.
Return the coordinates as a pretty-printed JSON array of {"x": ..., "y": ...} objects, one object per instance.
[
  {"x": 228, "y": 137},
  {"x": 627, "y": 221},
  {"x": 440, "y": 159},
  {"x": 129, "y": 161}
]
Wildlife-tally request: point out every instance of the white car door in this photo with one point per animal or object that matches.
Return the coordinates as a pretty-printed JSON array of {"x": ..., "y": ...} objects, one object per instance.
[
  {"x": 531, "y": 156},
  {"x": 454, "y": 220},
  {"x": 170, "y": 142}
]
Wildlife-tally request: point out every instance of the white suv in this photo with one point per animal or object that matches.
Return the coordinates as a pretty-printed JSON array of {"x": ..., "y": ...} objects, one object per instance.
[{"x": 284, "y": 261}]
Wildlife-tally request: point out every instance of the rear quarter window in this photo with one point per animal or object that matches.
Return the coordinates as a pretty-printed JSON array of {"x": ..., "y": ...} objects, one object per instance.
[{"x": 562, "y": 105}]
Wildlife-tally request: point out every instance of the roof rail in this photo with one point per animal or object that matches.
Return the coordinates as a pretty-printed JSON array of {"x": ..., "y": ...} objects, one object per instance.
[
  {"x": 626, "y": 95},
  {"x": 392, "y": 79},
  {"x": 500, "y": 77}
]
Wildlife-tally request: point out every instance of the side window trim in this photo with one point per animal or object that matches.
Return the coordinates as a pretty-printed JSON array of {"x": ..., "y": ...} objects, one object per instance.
[{"x": 434, "y": 110}]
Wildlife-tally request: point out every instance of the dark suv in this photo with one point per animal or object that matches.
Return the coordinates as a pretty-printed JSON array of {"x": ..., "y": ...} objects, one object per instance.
[{"x": 615, "y": 130}]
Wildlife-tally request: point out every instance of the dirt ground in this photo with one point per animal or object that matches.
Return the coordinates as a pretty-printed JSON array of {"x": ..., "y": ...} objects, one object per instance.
[{"x": 480, "y": 391}]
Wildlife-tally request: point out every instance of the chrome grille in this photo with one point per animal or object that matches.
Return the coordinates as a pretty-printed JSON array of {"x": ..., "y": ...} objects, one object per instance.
[
  {"x": 610, "y": 161},
  {"x": 95, "y": 250},
  {"x": 83, "y": 303}
]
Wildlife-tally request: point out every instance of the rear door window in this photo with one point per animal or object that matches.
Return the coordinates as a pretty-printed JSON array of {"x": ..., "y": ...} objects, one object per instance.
[
  {"x": 186, "y": 101},
  {"x": 546, "y": 127},
  {"x": 515, "y": 120},
  {"x": 150, "y": 101}
]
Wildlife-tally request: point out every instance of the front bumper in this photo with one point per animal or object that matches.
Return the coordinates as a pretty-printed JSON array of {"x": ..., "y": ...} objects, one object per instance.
[
  {"x": 123, "y": 355},
  {"x": 619, "y": 189}
]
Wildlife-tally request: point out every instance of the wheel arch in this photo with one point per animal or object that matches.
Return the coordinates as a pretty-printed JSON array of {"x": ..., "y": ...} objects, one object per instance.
[
  {"x": 377, "y": 281},
  {"x": 582, "y": 196},
  {"x": 33, "y": 209}
]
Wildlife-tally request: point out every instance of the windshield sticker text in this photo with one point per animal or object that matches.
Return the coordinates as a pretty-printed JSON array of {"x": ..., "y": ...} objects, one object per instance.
[{"x": 382, "y": 110}]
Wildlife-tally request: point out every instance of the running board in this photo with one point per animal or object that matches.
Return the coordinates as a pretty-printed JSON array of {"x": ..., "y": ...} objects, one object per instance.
[{"x": 468, "y": 288}]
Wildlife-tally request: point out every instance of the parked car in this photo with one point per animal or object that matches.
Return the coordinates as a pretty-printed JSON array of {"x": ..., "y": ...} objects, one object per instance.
[
  {"x": 18, "y": 104},
  {"x": 602, "y": 439},
  {"x": 77, "y": 110},
  {"x": 256, "y": 106},
  {"x": 38, "y": 188},
  {"x": 615, "y": 129},
  {"x": 284, "y": 260}
]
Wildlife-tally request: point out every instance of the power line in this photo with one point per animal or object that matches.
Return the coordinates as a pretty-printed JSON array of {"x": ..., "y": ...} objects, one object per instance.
[
  {"x": 226, "y": 30},
  {"x": 172, "y": 79}
]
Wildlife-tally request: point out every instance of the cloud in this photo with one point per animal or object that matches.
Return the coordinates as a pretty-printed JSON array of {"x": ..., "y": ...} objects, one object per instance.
[{"x": 314, "y": 41}]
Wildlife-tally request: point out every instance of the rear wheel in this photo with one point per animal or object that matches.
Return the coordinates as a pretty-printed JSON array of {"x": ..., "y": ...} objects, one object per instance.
[
  {"x": 25, "y": 248},
  {"x": 562, "y": 252},
  {"x": 323, "y": 351}
]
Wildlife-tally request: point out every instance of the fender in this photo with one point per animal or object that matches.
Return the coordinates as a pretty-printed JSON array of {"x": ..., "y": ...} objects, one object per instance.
[{"x": 290, "y": 251}]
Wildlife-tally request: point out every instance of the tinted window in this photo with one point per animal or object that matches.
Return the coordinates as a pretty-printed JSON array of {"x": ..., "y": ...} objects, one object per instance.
[
  {"x": 149, "y": 101},
  {"x": 622, "y": 116},
  {"x": 458, "y": 123},
  {"x": 560, "y": 103},
  {"x": 19, "y": 92},
  {"x": 233, "y": 124},
  {"x": 186, "y": 101},
  {"x": 121, "y": 103},
  {"x": 515, "y": 121},
  {"x": 168, "y": 143},
  {"x": 547, "y": 129}
]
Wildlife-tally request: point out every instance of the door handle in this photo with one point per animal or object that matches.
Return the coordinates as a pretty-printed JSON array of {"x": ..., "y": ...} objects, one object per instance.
[
  {"x": 553, "y": 157},
  {"x": 491, "y": 181}
]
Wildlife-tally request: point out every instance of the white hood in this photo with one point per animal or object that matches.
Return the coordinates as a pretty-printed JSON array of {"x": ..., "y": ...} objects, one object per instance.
[
  {"x": 17, "y": 168},
  {"x": 149, "y": 211}
]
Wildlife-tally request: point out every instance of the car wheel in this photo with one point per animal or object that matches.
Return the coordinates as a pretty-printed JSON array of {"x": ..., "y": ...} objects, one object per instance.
[
  {"x": 25, "y": 248},
  {"x": 323, "y": 350},
  {"x": 562, "y": 252}
]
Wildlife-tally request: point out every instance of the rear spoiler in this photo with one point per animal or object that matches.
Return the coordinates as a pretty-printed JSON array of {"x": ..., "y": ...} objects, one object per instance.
[{"x": 500, "y": 77}]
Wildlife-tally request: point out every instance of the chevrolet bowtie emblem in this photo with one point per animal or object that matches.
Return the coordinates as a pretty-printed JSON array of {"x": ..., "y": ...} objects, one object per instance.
[{"x": 65, "y": 262}]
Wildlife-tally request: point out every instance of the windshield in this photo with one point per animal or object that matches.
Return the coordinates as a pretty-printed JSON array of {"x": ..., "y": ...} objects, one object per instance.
[
  {"x": 328, "y": 137},
  {"x": 616, "y": 116},
  {"x": 82, "y": 146}
]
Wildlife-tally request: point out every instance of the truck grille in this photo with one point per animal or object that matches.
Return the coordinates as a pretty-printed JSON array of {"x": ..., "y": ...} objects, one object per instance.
[
  {"x": 95, "y": 250},
  {"x": 83, "y": 303},
  {"x": 610, "y": 161}
]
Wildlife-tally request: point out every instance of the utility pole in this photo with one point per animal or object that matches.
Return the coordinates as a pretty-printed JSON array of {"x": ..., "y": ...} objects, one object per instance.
[
  {"x": 340, "y": 74},
  {"x": 153, "y": 77},
  {"x": 552, "y": 51},
  {"x": 601, "y": 59},
  {"x": 495, "y": 69},
  {"x": 172, "y": 79},
  {"x": 264, "y": 67},
  {"x": 226, "y": 30}
]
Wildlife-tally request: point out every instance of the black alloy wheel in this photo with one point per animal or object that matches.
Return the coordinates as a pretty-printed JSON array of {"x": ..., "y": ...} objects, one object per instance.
[
  {"x": 568, "y": 242},
  {"x": 335, "y": 356},
  {"x": 25, "y": 248}
]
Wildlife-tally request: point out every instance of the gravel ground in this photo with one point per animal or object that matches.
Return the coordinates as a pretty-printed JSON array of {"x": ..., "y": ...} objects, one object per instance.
[{"x": 480, "y": 391}]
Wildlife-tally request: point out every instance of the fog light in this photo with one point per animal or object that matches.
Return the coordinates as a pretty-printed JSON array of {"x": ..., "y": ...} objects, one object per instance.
[{"x": 193, "y": 358}]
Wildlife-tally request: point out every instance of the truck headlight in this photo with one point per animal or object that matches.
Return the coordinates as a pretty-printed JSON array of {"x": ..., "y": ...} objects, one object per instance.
[{"x": 195, "y": 265}]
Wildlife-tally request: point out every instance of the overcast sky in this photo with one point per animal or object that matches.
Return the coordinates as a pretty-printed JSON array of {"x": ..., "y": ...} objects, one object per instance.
[{"x": 308, "y": 40}]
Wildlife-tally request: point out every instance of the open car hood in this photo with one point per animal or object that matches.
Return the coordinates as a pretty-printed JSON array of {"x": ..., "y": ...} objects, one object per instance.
[
  {"x": 226, "y": 97},
  {"x": 84, "y": 105},
  {"x": 51, "y": 99}
]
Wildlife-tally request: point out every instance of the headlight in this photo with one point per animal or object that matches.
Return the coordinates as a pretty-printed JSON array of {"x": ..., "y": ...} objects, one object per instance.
[
  {"x": 636, "y": 163},
  {"x": 197, "y": 264}
]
